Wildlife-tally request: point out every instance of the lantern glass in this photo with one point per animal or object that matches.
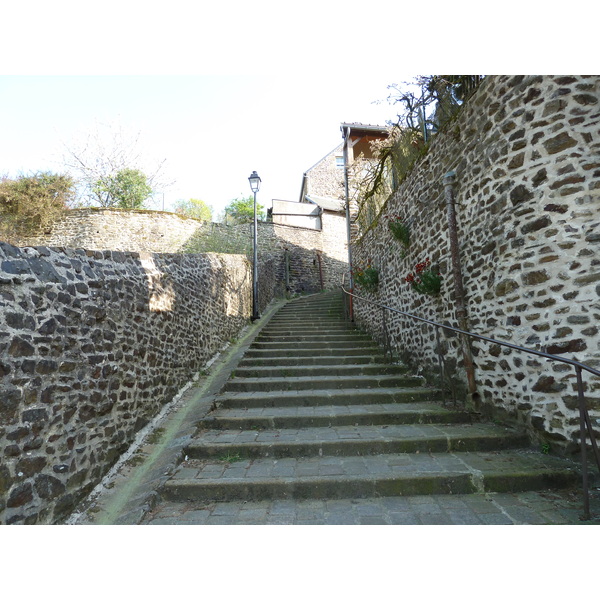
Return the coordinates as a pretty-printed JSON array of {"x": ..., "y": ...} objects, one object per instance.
[{"x": 254, "y": 180}]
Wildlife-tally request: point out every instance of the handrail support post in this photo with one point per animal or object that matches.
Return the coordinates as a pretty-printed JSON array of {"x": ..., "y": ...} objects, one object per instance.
[
  {"x": 461, "y": 313},
  {"x": 582, "y": 436},
  {"x": 440, "y": 365}
]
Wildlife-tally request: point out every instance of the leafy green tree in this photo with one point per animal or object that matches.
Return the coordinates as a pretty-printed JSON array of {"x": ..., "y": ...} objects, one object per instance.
[
  {"x": 128, "y": 188},
  {"x": 30, "y": 204},
  {"x": 241, "y": 210},
  {"x": 198, "y": 209}
]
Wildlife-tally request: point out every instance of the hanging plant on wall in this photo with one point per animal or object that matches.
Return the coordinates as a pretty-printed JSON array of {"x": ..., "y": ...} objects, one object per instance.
[
  {"x": 399, "y": 229},
  {"x": 367, "y": 278},
  {"x": 426, "y": 279}
]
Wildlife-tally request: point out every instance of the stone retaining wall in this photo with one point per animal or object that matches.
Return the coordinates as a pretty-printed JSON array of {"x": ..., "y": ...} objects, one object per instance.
[
  {"x": 92, "y": 345},
  {"x": 315, "y": 259},
  {"x": 526, "y": 152},
  {"x": 155, "y": 231},
  {"x": 114, "y": 229}
]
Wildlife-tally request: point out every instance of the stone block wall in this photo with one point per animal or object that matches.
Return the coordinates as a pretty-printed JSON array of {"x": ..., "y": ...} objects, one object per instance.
[
  {"x": 526, "y": 152},
  {"x": 92, "y": 345},
  {"x": 155, "y": 231},
  {"x": 325, "y": 178},
  {"x": 125, "y": 230},
  {"x": 315, "y": 259}
]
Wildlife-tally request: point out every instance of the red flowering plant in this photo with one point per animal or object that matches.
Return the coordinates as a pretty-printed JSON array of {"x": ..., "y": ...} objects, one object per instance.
[
  {"x": 367, "y": 277},
  {"x": 425, "y": 279}
]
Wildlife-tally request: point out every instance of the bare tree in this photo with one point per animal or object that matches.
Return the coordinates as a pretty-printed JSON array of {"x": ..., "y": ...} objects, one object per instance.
[{"x": 100, "y": 154}]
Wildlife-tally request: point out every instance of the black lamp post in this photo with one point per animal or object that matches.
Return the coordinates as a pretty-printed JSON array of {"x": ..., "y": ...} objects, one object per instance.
[{"x": 254, "y": 180}]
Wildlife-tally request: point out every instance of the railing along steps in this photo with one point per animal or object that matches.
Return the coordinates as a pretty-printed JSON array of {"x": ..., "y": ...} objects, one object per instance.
[{"x": 313, "y": 410}]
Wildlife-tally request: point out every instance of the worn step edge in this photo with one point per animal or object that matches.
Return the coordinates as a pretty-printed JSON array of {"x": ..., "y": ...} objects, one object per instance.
[
  {"x": 338, "y": 321},
  {"x": 406, "y": 417},
  {"x": 292, "y": 351},
  {"x": 299, "y": 361},
  {"x": 277, "y": 326},
  {"x": 192, "y": 490},
  {"x": 259, "y": 384},
  {"x": 286, "y": 371},
  {"x": 314, "y": 345},
  {"x": 321, "y": 337},
  {"x": 320, "y": 331},
  {"x": 317, "y": 311},
  {"x": 327, "y": 397},
  {"x": 363, "y": 447}
]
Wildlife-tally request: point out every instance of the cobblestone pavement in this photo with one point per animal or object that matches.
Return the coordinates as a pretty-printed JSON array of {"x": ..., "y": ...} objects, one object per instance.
[{"x": 529, "y": 508}]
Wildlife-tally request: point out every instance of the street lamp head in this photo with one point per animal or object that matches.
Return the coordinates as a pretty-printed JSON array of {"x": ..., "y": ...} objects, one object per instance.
[{"x": 254, "y": 180}]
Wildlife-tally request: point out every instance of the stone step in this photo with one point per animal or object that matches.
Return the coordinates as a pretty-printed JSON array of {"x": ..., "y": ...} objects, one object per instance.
[
  {"x": 230, "y": 479},
  {"x": 291, "y": 329},
  {"x": 294, "y": 351},
  {"x": 321, "y": 336},
  {"x": 310, "y": 314},
  {"x": 312, "y": 304},
  {"x": 314, "y": 411},
  {"x": 334, "y": 319},
  {"x": 353, "y": 441},
  {"x": 319, "y": 370},
  {"x": 328, "y": 416},
  {"x": 315, "y": 345},
  {"x": 334, "y": 382},
  {"x": 311, "y": 359},
  {"x": 325, "y": 312},
  {"x": 320, "y": 309},
  {"x": 288, "y": 398}
]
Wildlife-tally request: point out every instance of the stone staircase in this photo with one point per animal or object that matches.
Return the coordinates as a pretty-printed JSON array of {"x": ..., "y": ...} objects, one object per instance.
[{"x": 314, "y": 411}]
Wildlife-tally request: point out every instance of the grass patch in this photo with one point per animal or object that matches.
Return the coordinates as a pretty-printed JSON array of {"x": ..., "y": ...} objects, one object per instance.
[
  {"x": 156, "y": 435},
  {"x": 231, "y": 457}
]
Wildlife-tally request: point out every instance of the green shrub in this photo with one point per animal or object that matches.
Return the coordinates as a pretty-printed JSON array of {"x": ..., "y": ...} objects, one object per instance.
[{"x": 30, "y": 204}]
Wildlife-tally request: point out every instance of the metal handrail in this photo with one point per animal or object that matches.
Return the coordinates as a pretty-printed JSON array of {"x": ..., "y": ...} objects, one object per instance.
[{"x": 584, "y": 417}]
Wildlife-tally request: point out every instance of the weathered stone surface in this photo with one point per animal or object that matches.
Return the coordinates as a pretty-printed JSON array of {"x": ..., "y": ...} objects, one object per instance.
[
  {"x": 506, "y": 287},
  {"x": 577, "y": 345},
  {"x": 520, "y": 194},
  {"x": 559, "y": 143},
  {"x": 21, "y": 347},
  {"x": 535, "y": 277},
  {"x": 34, "y": 415},
  {"x": 31, "y": 465},
  {"x": 108, "y": 346},
  {"x": 585, "y": 99},
  {"x": 5, "y": 480},
  {"x": 540, "y": 278},
  {"x": 539, "y": 177},
  {"x": 559, "y": 208},
  {"x": 20, "y": 495},
  {"x": 10, "y": 400},
  {"x": 536, "y": 225},
  {"x": 585, "y": 280},
  {"x": 48, "y": 487},
  {"x": 547, "y": 384},
  {"x": 14, "y": 267}
]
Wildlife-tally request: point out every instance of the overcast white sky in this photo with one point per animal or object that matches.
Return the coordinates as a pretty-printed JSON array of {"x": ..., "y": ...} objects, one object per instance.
[
  {"x": 219, "y": 91},
  {"x": 212, "y": 130}
]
